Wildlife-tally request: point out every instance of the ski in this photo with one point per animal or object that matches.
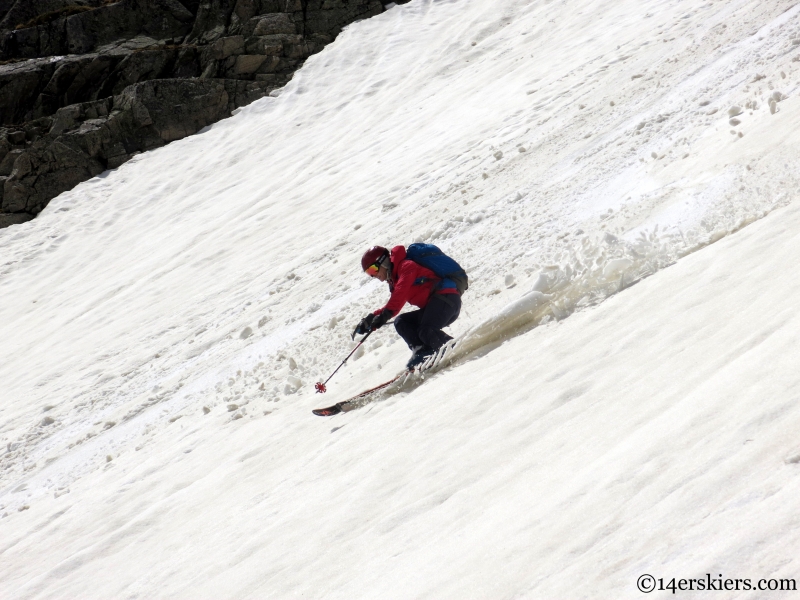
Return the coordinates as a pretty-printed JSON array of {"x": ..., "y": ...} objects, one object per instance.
[
  {"x": 330, "y": 411},
  {"x": 351, "y": 403},
  {"x": 433, "y": 363}
]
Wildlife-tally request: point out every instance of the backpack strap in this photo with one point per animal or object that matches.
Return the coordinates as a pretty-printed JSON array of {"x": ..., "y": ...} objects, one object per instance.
[{"x": 447, "y": 299}]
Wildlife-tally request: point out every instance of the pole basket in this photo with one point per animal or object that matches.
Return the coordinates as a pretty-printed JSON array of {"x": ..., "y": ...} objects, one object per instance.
[{"x": 320, "y": 387}]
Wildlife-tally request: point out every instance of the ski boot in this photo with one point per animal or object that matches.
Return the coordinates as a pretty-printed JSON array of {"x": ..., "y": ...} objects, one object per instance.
[{"x": 421, "y": 354}]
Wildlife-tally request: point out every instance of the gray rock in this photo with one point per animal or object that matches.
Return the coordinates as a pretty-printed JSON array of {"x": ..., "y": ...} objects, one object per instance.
[
  {"x": 88, "y": 84},
  {"x": 269, "y": 45},
  {"x": 5, "y": 6},
  {"x": 271, "y": 24},
  {"x": 16, "y": 137},
  {"x": 21, "y": 11},
  {"x": 7, "y": 165},
  {"x": 76, "y": 29},
  {"x": 211, "y": 20},
  {"x": 247, "y": 64},
  {"x": 227, "y": 46},
  {"x": 175, "y": 108},
  {"x": 6, "y": 220}
]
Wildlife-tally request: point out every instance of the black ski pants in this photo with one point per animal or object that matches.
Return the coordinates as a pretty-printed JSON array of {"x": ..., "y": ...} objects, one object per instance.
[{"x": 423, "y": 327}]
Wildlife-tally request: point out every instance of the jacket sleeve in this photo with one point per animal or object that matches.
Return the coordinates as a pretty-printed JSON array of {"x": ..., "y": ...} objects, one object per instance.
[{"x": 402, "y": 289}]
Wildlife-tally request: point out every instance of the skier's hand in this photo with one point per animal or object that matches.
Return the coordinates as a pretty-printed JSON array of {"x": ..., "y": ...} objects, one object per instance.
[
  {"x": 381, "y": 319},
  {"x": 365, "y": 326}
]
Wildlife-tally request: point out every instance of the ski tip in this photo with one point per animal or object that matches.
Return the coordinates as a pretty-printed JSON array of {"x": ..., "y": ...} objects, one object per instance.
[{"x": 327, "y": 412}]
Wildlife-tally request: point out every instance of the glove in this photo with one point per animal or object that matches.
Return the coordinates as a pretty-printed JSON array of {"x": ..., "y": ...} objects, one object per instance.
[
  {"x": 381, "y": 319},
  {"x": 365, "y": 326}
]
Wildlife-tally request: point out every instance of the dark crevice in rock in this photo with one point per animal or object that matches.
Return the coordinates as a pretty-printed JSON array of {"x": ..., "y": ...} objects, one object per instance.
[
  {"x": 87, "y": 84},
  {"x": 304, "y": 4}
]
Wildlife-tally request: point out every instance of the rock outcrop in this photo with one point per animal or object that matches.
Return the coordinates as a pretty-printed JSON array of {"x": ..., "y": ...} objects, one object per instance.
[{"x": 86, "y": 84}]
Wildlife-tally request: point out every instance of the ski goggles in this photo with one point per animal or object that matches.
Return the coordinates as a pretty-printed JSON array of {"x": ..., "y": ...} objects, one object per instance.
[{"x": 373, "y": 269}]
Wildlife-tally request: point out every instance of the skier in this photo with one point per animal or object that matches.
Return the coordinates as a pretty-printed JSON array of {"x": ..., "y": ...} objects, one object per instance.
[{"x": 437, "y": 296}]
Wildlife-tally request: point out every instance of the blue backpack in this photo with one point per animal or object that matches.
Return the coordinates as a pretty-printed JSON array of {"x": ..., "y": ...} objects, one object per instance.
[{"x": 450, "y": 272}]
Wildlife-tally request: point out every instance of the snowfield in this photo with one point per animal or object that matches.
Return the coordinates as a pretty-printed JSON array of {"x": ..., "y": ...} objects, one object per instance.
[{"x": 619, "y": 180}]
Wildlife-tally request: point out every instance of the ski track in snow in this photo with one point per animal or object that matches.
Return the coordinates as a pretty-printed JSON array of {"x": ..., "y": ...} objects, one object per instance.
[{"x": 561, "y": 152}]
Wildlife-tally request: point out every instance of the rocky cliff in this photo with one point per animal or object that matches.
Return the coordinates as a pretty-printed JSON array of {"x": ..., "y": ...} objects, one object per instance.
[{"x": 86, "y": 84}]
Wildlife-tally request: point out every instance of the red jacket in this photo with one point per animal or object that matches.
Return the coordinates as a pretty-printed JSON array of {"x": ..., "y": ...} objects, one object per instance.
[{"x": 410, "y": 283}]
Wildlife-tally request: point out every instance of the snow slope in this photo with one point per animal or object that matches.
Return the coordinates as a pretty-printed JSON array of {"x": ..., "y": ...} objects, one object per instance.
[{"x": 161, "y": 326}]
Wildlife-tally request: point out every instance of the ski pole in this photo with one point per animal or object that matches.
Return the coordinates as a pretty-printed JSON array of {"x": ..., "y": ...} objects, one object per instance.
[{"x": 320, "y": 386}]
